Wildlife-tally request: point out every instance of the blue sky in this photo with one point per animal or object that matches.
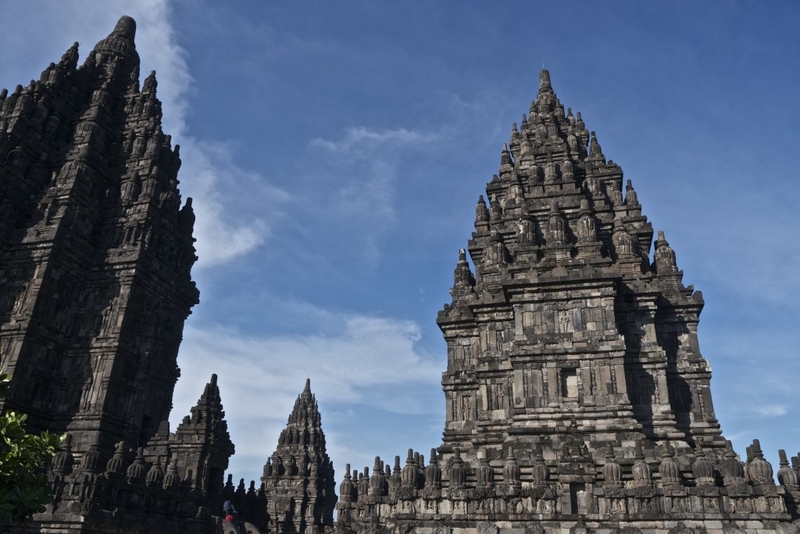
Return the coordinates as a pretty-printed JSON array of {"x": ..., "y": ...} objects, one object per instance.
[{"x": 335, "y": 152}]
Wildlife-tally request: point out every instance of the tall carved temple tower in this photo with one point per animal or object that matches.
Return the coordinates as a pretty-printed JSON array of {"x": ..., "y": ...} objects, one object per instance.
[
  {"x": 95, "y": 285},
  {"x": 568, "y": 326},
  {"x": 576, "y": 396},
  {"x": 95, "y": 249}
]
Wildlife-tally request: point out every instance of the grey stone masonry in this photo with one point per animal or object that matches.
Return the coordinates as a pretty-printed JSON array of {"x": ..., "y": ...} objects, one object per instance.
[{"x": 576, "y": 395}]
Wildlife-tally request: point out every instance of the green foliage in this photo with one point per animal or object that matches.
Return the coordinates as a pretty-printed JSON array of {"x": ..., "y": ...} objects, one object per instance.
[{"x": 24, "y": 490}]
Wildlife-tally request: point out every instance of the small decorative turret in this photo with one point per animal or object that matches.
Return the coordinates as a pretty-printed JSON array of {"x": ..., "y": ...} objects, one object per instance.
[
  {"x": 267, "y": 472},
  {"x": 511, "y": 473},
  {"x": 587, "y": 226},
  {"x": 347, "y": 491},
  {"x": 665, "y": 263},
  {"x": 410, "y": 472},
  {"x": 668, "y": 469},
  {"x": 150, "y": 84},
  {"x": 172, "y": 480},
  {"x": 378, "y": 485},
  {"x": 363, "y": 483},
  {"x": 397, "y": 477},
  {"x": 550, "y": 173},
  {"x": 556, "y": 226},
  {"x": 496, "y": 213},
  {"x": 702, "y": 468},
  {"x": 539, "y": 470},
  {"x": 69, "y": 61},
  {"x": 595, "y": 152},
  {"x": 481, "y": 216},
  {"x": 641, "y": 471},
  {"x": 731, "y": 468},
  {"x": 91, "y": 463},
  {"x": 612, "y": 471},
  {"x": 433, "y": 473},
  {"x": 526, "y": 232},
  {"x": 463, "y": 280},
  {"x": 624, "y": 245},
  {"x": 484, "y": 475},
  {"x": 506, "y": 163},
  {"x": 544, "y": 81},
  {"x": 138, "y": 469},
  {"x": 592, "y": 184},
  {"x": 631, "y": 198},
  {"x": 526, "y": 155},
  {"x": 63, "y": 460},
  {"x": 155, "y": 476},
  {"x": 457, "y": 475},
  {"x": 759, "y": 469},
  {"x": 786, "y": 475},
  {"x": 116, "y": 465}
]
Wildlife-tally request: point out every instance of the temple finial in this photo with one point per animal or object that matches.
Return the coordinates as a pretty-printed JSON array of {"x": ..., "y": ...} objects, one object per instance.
[
  {"x": 544, "y": 79},
  {"x": 126, "y": 26}
]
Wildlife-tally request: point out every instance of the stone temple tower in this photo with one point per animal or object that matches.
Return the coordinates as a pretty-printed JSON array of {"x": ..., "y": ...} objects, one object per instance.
[
  {"x": 576, "y": 397},
  {"x": 95, "y": 248},
  {"x": 567, "y": 325},
  {"x": 298, "y": 478}
]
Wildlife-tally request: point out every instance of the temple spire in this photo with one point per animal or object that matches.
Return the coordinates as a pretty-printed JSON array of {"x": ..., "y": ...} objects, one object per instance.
[{"x": 308, "y": 476}]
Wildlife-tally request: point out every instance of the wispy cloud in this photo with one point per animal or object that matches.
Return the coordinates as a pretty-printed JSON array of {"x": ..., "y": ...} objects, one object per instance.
[
  {"x": 364, "y": 142},
  {"x": 217, "y": 184},
  {"x": 209, "y": 174},
  {"x": 365, "y": 164}
]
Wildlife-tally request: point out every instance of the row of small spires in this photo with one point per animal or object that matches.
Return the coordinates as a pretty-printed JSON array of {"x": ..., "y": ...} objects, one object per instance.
[
  {"x": 307, "y": 466},
  {"x": 484, "y": 218},
  {"x": 625, "y": 247},
  {"x": 137, "y": 472},
  {"x": 415, "y": 476}
]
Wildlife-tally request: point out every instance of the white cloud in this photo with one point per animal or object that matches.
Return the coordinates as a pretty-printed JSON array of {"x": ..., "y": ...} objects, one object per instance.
[
  {"x": 770, "y": 410},
  {"x": 361, "y": 141},
  {"x": 367, "y": 352},
  {"x": 209, "y": 174},
  {"x": 158, "y": 49},
  {"x": 216, "y": 183},
  {"x": 360, "y": 360}
]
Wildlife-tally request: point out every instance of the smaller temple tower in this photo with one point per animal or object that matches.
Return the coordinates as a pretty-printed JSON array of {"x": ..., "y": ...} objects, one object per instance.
[
  {"x": 199, "y": 449},
  {"x": 172, "y": 485},
  {"x": 298, "y": 478}
]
